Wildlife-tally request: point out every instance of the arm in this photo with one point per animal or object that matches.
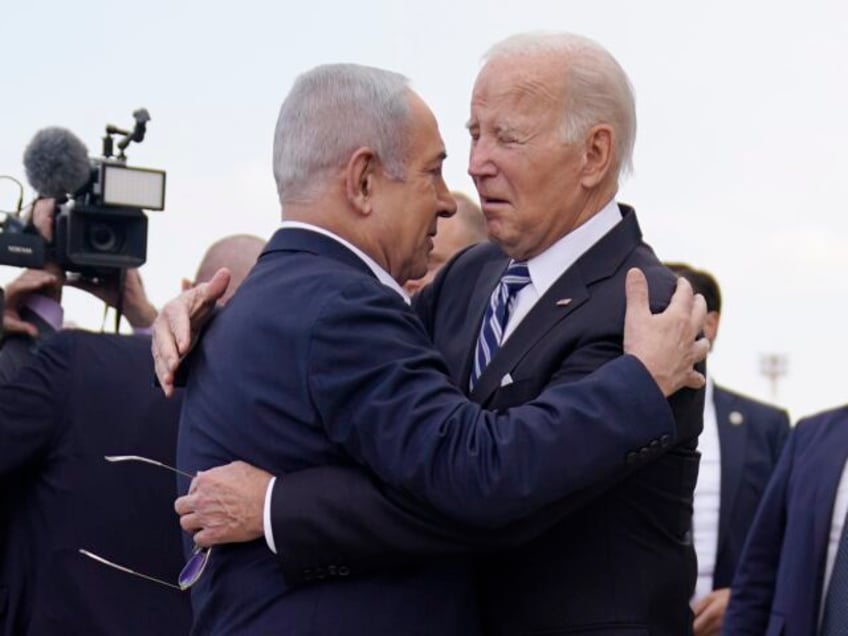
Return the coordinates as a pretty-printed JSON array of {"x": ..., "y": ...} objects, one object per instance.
[
  {"x": 342, "y": 491},
  {"x": 753, "y": 585},
  {"x": 420, "y": 434},
  {"x": 31, "y": 408}
]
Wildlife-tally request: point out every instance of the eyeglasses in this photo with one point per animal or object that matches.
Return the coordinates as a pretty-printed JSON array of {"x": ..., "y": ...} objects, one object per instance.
[{"x": 195, "y": 564}]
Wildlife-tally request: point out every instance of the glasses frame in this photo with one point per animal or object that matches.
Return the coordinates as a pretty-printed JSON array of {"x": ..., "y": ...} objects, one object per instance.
[{"x": 196, "y": 563}]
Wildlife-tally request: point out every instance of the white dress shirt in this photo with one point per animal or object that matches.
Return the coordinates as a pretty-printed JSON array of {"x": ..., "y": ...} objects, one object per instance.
[
  {"x": 384, "y": 277},
  {"x": 840, "y": 509},
  {"x": 707, "y": 498}
]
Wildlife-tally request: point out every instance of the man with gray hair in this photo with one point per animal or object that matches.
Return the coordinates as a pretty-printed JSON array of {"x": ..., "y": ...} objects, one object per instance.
[
  {"x": 552, "y": 128},
  {"x": 350, "y": 376}
]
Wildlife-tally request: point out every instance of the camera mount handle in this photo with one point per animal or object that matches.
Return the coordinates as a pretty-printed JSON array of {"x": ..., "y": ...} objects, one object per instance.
[{"x": 141, "y": 117}]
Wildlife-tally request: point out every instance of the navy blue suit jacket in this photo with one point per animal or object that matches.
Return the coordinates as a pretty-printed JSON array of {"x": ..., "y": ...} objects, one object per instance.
[
  {"x": 778, "y": 584},
  {"x": 314, "y": 362},
  {"x": 751, "y": 436},
  {"x": 622, "y": 564},
  {"x": 81, "y": 397}
]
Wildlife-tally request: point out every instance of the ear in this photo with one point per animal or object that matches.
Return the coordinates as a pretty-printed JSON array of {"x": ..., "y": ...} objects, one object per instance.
[
  {"x": 598, "y": 158},
  {"x": 360, "y": 178}
]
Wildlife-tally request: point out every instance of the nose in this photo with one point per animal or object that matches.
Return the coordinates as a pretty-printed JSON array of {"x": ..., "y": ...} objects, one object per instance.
[{"x": 480, "y": 159}]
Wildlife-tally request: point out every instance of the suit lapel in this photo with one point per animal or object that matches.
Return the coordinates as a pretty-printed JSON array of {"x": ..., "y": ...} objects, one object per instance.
[
  {"x": 733, "y": 440},
  {"x": 601, "y": 261}
]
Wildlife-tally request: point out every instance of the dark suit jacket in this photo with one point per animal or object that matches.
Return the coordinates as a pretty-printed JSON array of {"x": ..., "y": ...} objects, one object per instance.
[
  {"x": 315, "y": 362},
  {"x": 624, "y": 564},
  {"x": 777, "y": 589},
  {"x": 82, "y": 397},
  {"x": 751, "y": 436}
]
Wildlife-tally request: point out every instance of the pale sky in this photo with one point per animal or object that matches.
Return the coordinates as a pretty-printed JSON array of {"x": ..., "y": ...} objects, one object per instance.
[{"x": 739, "y": 164}]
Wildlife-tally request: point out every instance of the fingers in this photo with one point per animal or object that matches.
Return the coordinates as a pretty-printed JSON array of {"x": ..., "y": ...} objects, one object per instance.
[
  {"x": 636, "y": 291},
  {"x": 698, "y": 315},
  {"x": 216, "y": 287},
  {"x": 683, "y": 297},
  {"x": 702, "y": 348},
  {"x": 31, "y": 280},
  {"x": 13, "y": 324}
]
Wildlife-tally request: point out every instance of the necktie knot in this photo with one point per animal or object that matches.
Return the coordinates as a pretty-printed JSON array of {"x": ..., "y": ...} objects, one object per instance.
[{"x": 516, "y": 277}]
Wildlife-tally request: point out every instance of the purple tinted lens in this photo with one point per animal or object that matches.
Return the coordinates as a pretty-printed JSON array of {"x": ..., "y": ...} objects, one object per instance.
[{"x": 194, "y": 567}]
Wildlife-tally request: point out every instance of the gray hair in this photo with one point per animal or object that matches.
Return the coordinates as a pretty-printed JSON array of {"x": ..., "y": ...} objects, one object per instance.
[
  {"x": 330, "y": 112},
  {"x": 597, "y": 89}
]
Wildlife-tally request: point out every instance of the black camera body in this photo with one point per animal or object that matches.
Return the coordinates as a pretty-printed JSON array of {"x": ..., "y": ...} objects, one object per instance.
[{"x": 99, "y": 229}]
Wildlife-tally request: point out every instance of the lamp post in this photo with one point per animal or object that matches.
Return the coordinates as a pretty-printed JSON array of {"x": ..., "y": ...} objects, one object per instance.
[{"x": 774, "y": 366}]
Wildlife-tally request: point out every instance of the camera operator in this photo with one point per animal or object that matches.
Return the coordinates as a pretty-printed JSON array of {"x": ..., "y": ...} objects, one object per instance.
[
  {"x": 82, "y": 396},
  {"x": 33, "y": 306}
]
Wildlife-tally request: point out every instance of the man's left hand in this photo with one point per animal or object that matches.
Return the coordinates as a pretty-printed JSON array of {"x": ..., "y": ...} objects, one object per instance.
[
  {"x": 709, "y": 612},
  {"x": 225, "y": 504}
]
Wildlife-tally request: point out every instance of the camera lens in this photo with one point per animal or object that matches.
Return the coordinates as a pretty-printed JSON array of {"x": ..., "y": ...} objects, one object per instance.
[{"x": 103, "y": 238}]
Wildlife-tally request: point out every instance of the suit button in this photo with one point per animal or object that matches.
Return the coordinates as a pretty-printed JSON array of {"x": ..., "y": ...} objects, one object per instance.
[
  {"x": 665, "y": 440},
  {"x": 631, "y": 458},
  {"x": 344, "y": 570}
]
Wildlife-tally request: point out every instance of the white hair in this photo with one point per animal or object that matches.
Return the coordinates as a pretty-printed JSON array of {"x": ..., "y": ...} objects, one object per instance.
[
  {"x": 597, "y": 88},
  {"x": 330, "y": 112}
]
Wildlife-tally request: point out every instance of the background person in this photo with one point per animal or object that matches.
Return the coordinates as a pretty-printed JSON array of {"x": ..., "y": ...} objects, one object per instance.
[
  {"x": 82, "y": 396},
  {"x": 465, "y": 228},
  {"x": 792, "y": 578},
  {"x": 739, "y": 447}
]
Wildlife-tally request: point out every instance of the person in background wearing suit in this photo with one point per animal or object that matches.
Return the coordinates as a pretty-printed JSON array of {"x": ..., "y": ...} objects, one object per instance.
[
  {"x": 463, "y": 229},
  {"x": 739, "y": 447},
  {"x": 79, "y": 397},
  {"x": 351, "y": 376},
  {"x": 552, "y": 127},
  {"x": 792, "y": 579}
]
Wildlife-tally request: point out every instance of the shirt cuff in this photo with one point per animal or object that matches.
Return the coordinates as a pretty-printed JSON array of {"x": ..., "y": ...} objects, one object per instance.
[
  {"x": 266, "y": 517},
  {"x": 47, "y": 309}
]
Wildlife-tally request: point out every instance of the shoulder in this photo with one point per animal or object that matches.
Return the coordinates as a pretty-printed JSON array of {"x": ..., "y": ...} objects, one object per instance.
[
  {"x": 739, "y": 401},
  {"x": 828, "y": 424}
]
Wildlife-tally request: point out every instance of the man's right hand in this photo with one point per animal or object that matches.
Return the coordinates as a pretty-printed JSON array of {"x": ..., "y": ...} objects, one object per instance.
[
  {"x": 178, "y": 324},
  {"x": 668, "y": 343}
]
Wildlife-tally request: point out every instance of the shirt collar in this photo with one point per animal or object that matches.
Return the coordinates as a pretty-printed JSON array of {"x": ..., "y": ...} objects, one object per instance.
[
  {"x": 548, "y": 266},
  {"x": 382, "y": 275}
]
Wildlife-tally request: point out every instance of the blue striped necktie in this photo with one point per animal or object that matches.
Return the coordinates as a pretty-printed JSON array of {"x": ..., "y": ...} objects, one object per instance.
[
  {"x": 514, "y": 279},
  {"x": 835, "y": 616}
]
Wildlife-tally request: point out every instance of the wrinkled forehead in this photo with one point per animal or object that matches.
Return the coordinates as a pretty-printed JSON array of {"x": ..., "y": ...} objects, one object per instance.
[
  {"x": 520, "y": 84},
  {"x": 521, "y": 79}
]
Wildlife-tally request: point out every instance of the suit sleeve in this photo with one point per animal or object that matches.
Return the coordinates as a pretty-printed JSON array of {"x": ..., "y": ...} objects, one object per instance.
[
  {"x": 386, "y": 401},
  {"x": 343, "y": 515},
  {"x": 31, "y": 408},
  {"x": 756, "y": 575}
]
